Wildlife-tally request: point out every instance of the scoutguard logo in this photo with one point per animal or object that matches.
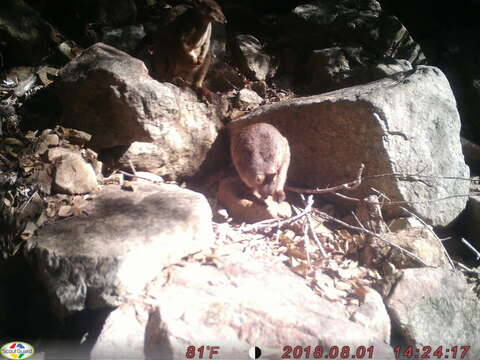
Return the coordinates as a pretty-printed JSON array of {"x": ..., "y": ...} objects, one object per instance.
[{"x": 17, "y": 350}]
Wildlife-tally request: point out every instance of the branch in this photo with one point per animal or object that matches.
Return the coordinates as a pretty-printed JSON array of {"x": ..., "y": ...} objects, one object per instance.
[
  {"x": 347, "y": 186},
  {"x": 417, "y": 175},
  {"x": 434, "y": 235},
  {"x": 331, "y": 218},
  {"x": 310, "y": 225},
  {"x": 277, "y": 222},
  {"x": 475, "y": 251}
]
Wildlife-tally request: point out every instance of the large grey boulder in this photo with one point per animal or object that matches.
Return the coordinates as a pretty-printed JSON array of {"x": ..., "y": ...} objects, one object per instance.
[
  {"x": 110, "y": 95},
  {"x": 373, "y": 315},
  {"x": 127, "y": 238},
  {"x": 408, "y": 124},
  {"x": 242, "y": 302},
  {"x": 435, "y": 307}
]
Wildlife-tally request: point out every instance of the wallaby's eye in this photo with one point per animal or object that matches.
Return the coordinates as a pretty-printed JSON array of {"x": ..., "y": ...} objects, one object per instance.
[{"x": 269, "y": 178}]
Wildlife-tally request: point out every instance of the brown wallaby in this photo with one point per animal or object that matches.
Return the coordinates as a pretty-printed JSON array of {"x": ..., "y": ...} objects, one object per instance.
[
  {"x": 261, "y": 156},
  {"x": 182, "y": 49}
]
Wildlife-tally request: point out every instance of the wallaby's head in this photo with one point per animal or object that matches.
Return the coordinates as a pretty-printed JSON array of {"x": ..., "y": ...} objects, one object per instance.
[{"x": 210, "y": 9}]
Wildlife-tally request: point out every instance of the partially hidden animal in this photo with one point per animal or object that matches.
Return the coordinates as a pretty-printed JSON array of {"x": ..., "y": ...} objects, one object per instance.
[
  {"x": 181, "y": 53},
  {"x": 261, "y": 156}
]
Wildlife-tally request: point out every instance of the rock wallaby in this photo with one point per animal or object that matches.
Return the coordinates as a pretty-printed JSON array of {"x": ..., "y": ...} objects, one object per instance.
[
  {"x": 181, "y": 53},
  {"x": 261, "y": 156}
]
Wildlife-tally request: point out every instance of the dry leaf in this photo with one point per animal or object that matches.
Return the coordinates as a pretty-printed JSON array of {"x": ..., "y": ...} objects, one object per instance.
[
  {"x": 65, "y": 210},
  {"x": 42, "y": 218},
  {"x": 44, "y": 72},
  {"x": 12, "y": 141},
  {"x": 78, "y": 205},
  {"x": 296, "y": 253},
  {"x": 128, "y": 186},
  {"x": 342, "y": 285},
  {"x": 237, "y": 113},
  {"x": 12, "y": 153},
  {"x": 29, "y": 230},
  {"x": 360, "y": 292},
  {"x": 346, "y": 273},
  {"x": 30, "y": 135}
]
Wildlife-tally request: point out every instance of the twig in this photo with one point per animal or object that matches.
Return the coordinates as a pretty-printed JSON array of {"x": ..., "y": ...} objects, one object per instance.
[
  {"x": 434, "y": 235},
  {"x": 27, "y": 202},
  {"x": 417, "y": 175},
  {"x": 427, "y": 201},
  {"x": 272, "y": 222},
  {"x": 315, "y": 237},
  {"x": 345, "y": 197},
  {"x": 139, "y": 177},
  {"x": 6, "y": 161},
  {"x": 378, "y": 192},
  {"x": 305, "y": 242},
  {"x": 475, "y": 251},
  {"x": 132, "y": 167},
  {"x": 465, "y": 268},
  {"x": 358, "y": 220},
  {"x": 331, "y": 218},
  {"x": 347, "y": 186},
  {"x": 310, "y": 224}
]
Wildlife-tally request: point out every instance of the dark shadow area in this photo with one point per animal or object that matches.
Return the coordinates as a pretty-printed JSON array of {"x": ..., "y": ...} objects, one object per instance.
[
  {"x": 25, "y": 312},
  {"x": 26, "y": 316},
  {"x": 449, "y": 38}
]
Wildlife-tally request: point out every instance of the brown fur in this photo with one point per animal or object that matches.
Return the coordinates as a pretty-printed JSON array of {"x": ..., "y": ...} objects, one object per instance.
[
  {"x": 261, "y": 156},
  {"x": 243, "y": 206},
  {"x": 182, "y": 49}
]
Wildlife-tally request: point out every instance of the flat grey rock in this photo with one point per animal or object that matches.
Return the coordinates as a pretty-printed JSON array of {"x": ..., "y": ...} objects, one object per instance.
[
  {"x": 435, "y": 307},
  {"x": 126, "y": 240},
  {"x": 242, "y": 302}
]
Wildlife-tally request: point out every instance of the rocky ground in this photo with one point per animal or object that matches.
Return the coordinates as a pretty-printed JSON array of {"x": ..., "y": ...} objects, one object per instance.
[{"x": 120, "y": 215}]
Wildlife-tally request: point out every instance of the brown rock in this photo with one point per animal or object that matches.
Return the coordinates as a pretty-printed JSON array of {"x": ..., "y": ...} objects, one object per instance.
[
  {"x": 110, "y": 95},
  {"x": 74, "y": 175},
  {"x": 419, "y": 241},
  {"x": 244, "y": 207}
]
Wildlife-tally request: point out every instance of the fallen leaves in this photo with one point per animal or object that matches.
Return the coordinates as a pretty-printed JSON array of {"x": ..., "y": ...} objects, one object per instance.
[{"x": 338, "y": 277}]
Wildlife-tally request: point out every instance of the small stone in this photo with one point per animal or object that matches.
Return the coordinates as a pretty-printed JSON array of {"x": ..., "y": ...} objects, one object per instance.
[
  {"x": 94, "y": 261},
  {"x": 404, "y": 223},
  {"x": 74, "y": 176},
  {"x": 253, "y": 60},
  {"x": 243, "y": 206},
  {"x": 248, "y": 99}
]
